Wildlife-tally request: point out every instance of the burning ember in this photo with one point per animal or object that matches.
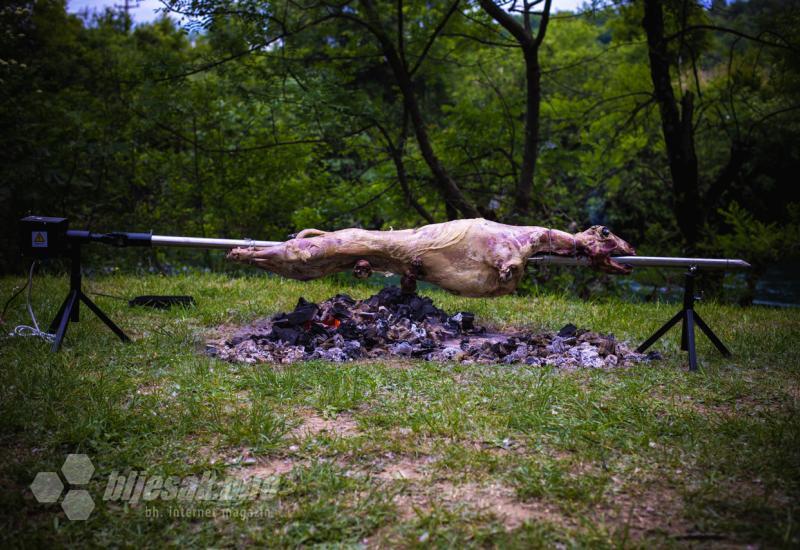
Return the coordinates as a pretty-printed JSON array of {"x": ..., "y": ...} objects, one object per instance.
[{"x": 394, "y": 324}]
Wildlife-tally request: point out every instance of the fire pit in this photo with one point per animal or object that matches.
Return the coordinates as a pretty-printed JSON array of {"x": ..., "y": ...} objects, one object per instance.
[{"x": 394, "y": 324}]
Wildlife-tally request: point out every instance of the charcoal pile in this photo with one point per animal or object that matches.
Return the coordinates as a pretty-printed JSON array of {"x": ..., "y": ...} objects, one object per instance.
[{"x": 395, "y": 324}]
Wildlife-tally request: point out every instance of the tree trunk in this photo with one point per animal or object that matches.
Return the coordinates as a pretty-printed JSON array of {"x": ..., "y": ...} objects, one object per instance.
[
  {"x": 533, "y": 75},
  {"x": 448, "y": 188},
  {"x": 676, "y": 125},
  {"x": 396, "y": 152},
  {"x": 446, "y": 185},
  {"x": 530, "y": 49}
]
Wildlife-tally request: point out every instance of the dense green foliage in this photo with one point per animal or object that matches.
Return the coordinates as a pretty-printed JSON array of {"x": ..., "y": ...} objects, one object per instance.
[{"x": 259, "y": 119}]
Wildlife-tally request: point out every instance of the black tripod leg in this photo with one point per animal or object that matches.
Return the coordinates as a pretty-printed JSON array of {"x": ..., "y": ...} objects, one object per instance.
[
  {"x": 711, "y": 336},
  {"x": 76, "y": 316},
  {"x": 690, "y": 340},
  {"x": 57, "y": 319},
  {"x": 660, "y": 332},
  {"x": 109, "y": 323},
  {"x": 684, "y": 327},
  {"x": 70, "y": 302}
]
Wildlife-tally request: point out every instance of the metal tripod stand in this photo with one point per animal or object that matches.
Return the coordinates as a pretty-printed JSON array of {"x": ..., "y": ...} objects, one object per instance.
[
  {"x": 70, "y": 308},
  {"x": 689, "y": 317}
]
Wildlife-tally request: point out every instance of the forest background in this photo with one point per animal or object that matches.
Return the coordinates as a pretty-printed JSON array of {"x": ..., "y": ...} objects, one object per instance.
[{"x": 673, "y": 122}]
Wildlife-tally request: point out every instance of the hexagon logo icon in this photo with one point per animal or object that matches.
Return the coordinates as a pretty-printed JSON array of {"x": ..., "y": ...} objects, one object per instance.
[
  {"x": 77, "y": 504},
  {"x": 47, "y": 487},
  {"x": 77, "y": 469}
]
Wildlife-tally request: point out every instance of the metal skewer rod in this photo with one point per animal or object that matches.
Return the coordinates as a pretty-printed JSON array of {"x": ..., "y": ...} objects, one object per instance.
[
  {"x": 124, "y": 239},
  {"x": 648, "y": 261},
  {"x": 199, "y": 242},
  {"x": 635, "y": 261}
]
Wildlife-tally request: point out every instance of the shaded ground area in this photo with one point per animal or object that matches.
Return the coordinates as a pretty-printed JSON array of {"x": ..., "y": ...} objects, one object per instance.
[
  {"x": 392, "y": 323},
  {"x": 404, "y": 452}
]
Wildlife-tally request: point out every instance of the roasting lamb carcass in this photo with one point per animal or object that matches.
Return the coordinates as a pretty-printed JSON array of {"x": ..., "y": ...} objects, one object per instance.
[{"x": 473, "y": 257}]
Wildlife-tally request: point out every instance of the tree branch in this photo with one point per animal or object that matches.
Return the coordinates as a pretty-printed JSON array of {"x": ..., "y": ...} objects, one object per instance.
[
  {"x": 483, "y": 40},
  {"x": 439, "y": 28},
  {"x": 396, "y": 152},
  {"x": 692, "y": 28},
  {"x": 507, "y": 22},
  {"x": 543, "y": 23}
]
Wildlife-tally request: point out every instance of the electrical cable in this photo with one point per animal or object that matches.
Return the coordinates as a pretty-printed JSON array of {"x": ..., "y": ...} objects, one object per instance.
[
  {"x": 27, "y": 330},
  {"x": 8, "y": 302}
]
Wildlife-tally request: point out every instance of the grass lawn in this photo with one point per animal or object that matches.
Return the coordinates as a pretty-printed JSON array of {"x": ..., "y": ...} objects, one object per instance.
[{"x": 401, "y": 453}]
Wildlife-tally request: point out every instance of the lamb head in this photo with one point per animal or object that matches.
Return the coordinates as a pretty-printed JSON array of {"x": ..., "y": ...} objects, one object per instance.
[{"x": 598, "y": 244}]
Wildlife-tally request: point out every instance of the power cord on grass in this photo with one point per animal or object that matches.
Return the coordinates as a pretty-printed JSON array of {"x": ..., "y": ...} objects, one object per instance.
[
  {"x": 8, "y": 302},
  {"x": 29, "y": 330}
]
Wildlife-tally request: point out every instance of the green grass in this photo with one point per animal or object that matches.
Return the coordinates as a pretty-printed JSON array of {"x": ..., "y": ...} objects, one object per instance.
[{"x": 404, "y": 454}]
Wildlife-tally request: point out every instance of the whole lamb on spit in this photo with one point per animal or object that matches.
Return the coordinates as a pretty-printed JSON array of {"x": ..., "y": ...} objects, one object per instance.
[{"x": 474, "y": 257}]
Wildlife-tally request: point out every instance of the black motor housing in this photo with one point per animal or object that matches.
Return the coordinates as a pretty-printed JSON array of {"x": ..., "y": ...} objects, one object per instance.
[{"x": 43, "y": 237}]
